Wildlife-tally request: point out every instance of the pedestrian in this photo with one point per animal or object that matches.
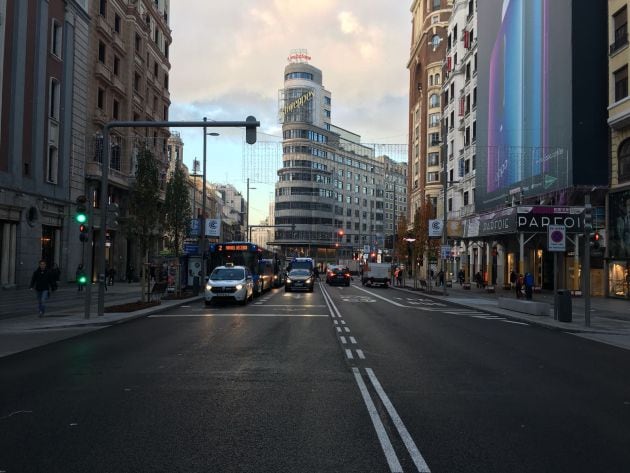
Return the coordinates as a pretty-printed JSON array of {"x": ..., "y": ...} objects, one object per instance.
[
  {"x": 519, "y": 286},
  {"x": 399, "y": 277},
  {"x": 461, "y": 276},
  {"x": 79, "y": 274},
  {"x": 479, "y": 279},
  {"x": 316, "y": 273},
  {"x": 512, "y": 278},
  {"x": 111, "y": 275},
  {"x": 529, "y": 285},
  {"x": 43, "y": 281},
  {"x": 441, "y": 278}
]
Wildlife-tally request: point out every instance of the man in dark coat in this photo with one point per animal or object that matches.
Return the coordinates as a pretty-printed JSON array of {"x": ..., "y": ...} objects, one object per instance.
[{"x": 43, "y": 281}]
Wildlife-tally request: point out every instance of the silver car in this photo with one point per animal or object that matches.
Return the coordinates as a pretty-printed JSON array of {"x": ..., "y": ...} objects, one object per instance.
[{"x": 230, "y": 283}]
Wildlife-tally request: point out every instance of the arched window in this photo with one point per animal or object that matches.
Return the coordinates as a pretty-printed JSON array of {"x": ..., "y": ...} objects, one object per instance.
[
  {"x": 437, "y": 79},
  {"x": 623, "y": 156},
  {"x": 434, "y": 101}
]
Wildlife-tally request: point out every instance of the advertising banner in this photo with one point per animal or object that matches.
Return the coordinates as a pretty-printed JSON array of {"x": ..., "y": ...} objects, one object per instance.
[{"x": 619, "y": 224}]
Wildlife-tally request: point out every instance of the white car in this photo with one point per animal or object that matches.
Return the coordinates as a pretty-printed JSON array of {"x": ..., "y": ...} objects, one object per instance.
[{"x": 230, "y": 283}]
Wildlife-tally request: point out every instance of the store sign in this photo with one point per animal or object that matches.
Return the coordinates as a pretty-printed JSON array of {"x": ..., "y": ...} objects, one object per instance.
[
  {"x": 213, "y": 227},
  {"x": 299, "y": 102},
  {"x": 435, "y": 228},
  {"x": 498, "y": 223},
  {"x": 536, "y": 219}
]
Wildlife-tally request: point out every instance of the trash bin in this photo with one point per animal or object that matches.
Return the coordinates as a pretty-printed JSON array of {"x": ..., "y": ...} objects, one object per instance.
[
  {"x": 564, "y": 306},
  {"x": 196, "y": 286}
]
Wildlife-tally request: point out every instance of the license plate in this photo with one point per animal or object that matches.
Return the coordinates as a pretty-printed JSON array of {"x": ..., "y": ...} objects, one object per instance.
[
  {"x": 298, "y": 284},
  {"x": 224, "y": 294}
]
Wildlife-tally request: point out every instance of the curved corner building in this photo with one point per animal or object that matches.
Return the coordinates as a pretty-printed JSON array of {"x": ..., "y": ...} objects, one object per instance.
[{"x": 330, "y": 189}]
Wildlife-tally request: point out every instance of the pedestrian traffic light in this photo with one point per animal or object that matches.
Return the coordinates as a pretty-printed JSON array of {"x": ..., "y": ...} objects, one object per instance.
[
  {"x": 82, "y": 279},
  {"x": 81, "y": 211},
  {"x": 595, "y": 240},
  {"x": 84, "y": 233}
]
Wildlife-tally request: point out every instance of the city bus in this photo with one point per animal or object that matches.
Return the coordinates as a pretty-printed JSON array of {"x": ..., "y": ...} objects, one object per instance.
[{"x": 243, "y": 253}]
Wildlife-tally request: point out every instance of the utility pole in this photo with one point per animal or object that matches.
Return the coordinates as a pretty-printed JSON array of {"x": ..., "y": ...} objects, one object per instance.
[{"x": 586, "y": 266}]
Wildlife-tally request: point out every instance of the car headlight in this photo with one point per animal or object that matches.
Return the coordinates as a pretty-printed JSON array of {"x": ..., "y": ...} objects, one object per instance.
[
  {"x": 208, "y": 287},
  {"x": 308, "y": 281},
  {"x": 239, "y": 287},
  {"x": 289, "y": 280}
]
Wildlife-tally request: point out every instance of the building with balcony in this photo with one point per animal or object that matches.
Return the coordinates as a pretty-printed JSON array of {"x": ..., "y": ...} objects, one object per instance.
[
  {"x": 129, "y": 80},
  {"x": 426, "y": 75},
  {"x": 330, "y": 193},
  {"x": 43, "y": 93},
  {"x": 618, "y": 257}
]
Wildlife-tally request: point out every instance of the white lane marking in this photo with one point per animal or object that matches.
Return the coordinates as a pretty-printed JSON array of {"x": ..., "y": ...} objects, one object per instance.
[
  {"x": 291, "y": 305},
  {"x": 343, "y": 322},
  {"x": 339, "y": 329},
  {"x": 185, "y": 307},
  {"x": 343, "y": 340},
  {"x": 384, "y": 298},
  {"x": 336, "y": 322},
  {"x": 347, "y": 329},
  {"x": 330, "y": 304},
  {"x": 353, "y": 340},
  {"x": 486, "y": 317},
  {"x": 469, "y": 312},
  {"x": 349, "y": 354},
  {"x": 513, "y": 322},
  {"x": 415, "y": 454},
  {"x": 386, "y": 445},
  {"x": 159, "y": 316},
  {"x": 361, "y": 355}
]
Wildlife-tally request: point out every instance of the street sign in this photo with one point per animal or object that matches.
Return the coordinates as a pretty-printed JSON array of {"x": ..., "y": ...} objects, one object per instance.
[
  {"x": 556, "y": 238},
  {"x": 445, "y": 251},
  {"x": 435, "y": 228},
  {"x": 191, "y": 248}
]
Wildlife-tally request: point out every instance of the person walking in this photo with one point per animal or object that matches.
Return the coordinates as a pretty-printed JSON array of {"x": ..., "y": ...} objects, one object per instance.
[
  {"x": 43, "y": 281},
  {"x": 519, "y": 286},
  {"x": 529, "y": 285},
  {"x": 513, "y": 278}
]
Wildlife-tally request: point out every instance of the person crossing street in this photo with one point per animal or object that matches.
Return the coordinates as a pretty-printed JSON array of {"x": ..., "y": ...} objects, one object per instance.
[{"x": 43, "y": 281}]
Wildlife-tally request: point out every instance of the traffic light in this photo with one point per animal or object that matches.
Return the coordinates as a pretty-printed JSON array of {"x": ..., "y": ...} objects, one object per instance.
[
  {"x": 82, "y": 279},
  {"x": 84, "y": 234},
  {"x": 595, "y": 240},
  {"x": 250, "y": 130},
  {"x": 113, "y": 211},
  {"x": 81, "y": 211}
]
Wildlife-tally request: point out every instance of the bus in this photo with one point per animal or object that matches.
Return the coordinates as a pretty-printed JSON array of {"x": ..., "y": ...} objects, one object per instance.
[{"x": 243, "y": 253}]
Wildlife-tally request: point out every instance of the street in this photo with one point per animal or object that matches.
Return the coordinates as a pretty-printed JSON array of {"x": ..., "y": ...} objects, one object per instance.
[{"x": 343, "y": 379}]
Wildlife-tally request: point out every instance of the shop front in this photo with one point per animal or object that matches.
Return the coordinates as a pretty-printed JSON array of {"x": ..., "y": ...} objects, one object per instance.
[{"x": 619, "y": 244}]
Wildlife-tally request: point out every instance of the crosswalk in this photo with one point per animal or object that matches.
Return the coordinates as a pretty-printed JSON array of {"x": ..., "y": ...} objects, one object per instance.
[{"x": 434, "y": 306}]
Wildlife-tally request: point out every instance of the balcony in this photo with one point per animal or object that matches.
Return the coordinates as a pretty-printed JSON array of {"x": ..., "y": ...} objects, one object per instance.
[
  {"x": 104, "y": 27},
  {"x": 119, "y": 44},
  {"x": 119, "y": 86},
  {"x": 103, "y": 72},
  {"x": 621, "y": 40}
]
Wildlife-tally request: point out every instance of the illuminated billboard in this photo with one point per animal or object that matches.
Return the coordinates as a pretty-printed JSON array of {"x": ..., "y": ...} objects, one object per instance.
[{"x": 532, "y": 111}]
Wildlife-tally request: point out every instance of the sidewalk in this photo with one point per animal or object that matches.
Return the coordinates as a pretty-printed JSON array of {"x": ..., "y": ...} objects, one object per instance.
[
  {"x": 610, "y": 318},
  {"x": 22, "y": 329}
]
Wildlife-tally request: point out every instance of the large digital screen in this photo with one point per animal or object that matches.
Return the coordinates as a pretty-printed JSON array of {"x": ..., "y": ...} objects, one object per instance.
[{"x": 524, "y": 98}]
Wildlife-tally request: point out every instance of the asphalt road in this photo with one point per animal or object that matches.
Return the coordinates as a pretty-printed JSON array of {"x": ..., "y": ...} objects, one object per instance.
[{"x": 345, "y": 379}]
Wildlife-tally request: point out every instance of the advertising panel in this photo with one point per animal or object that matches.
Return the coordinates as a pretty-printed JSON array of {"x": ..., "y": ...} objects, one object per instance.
[
  {"x": 296, "y": 105},
  {"x": 619, "y": 224},
  {"x": 524, "y": 113}
]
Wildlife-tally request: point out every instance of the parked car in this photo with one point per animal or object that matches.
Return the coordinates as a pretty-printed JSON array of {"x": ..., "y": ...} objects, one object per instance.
[
  {"x": 230, "y": 283},
  {"x": 299, "y": 279},
  {"x": 338, "y": 275}
]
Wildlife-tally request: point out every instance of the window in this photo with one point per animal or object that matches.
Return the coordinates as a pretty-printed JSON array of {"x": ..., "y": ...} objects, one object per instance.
[
  {"x": 136, "y": 82},
  {"x": 137, "y": 43},
  {"x": 115, "y": 109},
  {"x": 450, "y": 204},
  {"x": 466, "y": 198},
  {"x": 100, "y": 98},
  {"x": 434, "y": 119},
  {"x": 620, "y": 23},
  {"x": 55, "y": 38},
  {"x": 623, "y": 156},
  {"x": 116, "y": 66},
  {"x": 621, "y": 83},
  {"x": 53, "y": 104},
  {"x": 434, "y": 139},
  {"x": 433, "y": 177},
  {"x": 52, "y": 164},
  {"x": 155, "y": 69},
  {"x": 436, "y": 4},
  {"x": 166, "y": 81},
  {"x": 102, "y": 7},
  {"x": 434, "y": 101},
  {"x": 117, "y": 23},
  {"x": 101, "y": 52},
  {"x": 433, "y": 159}
]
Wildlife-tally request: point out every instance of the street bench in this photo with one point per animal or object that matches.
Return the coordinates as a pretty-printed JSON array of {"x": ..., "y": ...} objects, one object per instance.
[
  {"x": 525, "y": 306},
  {"x": 158, "y": 290}
]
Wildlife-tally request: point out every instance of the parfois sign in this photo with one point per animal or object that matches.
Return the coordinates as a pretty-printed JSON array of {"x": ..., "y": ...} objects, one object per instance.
[{"x": 538, "y": 218}]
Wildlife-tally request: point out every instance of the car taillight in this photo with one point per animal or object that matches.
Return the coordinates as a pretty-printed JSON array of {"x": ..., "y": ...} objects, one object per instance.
[{"x": 347, "y": 275}]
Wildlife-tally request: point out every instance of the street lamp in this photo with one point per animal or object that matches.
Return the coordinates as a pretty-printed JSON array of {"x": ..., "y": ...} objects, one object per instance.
[
  {"x": 247, "y": 212},
  {"x": 195, "y": 175},
  {"x": 202, "y": 233},
  {"x": 442, "y": 143}
]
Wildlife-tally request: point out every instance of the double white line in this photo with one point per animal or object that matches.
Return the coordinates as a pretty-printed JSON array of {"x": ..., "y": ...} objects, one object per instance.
[{"x": 381, "y": 432}]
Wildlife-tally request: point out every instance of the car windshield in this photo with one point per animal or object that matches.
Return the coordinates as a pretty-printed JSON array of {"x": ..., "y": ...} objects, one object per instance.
[
  {"x": 227, "y": 274},
  {"x": 340, "y": 270},
  {"x": 299, "y": 272}
]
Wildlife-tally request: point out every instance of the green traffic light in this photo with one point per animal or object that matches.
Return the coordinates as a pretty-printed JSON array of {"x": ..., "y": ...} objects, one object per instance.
[
  {"x": 81, "y": 218},
  {"x": 82, "y": 279}
]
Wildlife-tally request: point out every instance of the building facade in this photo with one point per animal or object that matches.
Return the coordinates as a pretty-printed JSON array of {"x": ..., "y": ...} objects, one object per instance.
[
  {"x": 330, "y": 194},
  {"x": 43, "y": 52},
  {"x": 618, "y": 223}
]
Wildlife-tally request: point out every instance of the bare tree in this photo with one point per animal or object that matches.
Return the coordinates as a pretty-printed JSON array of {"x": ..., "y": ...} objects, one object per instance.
[{"x": 177, "y": 214}]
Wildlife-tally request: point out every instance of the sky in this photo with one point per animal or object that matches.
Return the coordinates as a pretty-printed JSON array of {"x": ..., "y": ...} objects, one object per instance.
[{"x": 228, "y": 59}]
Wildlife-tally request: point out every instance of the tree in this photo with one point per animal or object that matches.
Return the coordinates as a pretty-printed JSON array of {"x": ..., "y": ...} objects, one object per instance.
[
  {"x": 177, "y": 213},
  {"x": 144, "y": 208}
]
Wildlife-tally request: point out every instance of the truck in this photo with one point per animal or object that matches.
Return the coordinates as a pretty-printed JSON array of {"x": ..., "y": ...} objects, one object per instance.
[{"x": 376, "y": 273}]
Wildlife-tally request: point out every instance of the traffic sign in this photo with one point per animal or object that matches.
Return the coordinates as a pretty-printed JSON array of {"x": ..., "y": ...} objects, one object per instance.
[
  {"x": 445, "y": 251},
  {"x": 556, "y": 238}
]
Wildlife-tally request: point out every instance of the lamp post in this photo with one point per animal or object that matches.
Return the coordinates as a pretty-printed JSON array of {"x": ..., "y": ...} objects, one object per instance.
[
  {"x": 202, "y": 233},
  {"x": 195, "y": 175},
  {"x": 445, "y": 189},
  {"x": 247, "y": 212}
]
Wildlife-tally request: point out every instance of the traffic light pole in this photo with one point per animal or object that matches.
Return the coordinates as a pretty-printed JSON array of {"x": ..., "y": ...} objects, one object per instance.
[
  {"x": 88, "y": 260},
  {"x": 586, "y": 266},
  {"x": 250, "y": 124}
]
